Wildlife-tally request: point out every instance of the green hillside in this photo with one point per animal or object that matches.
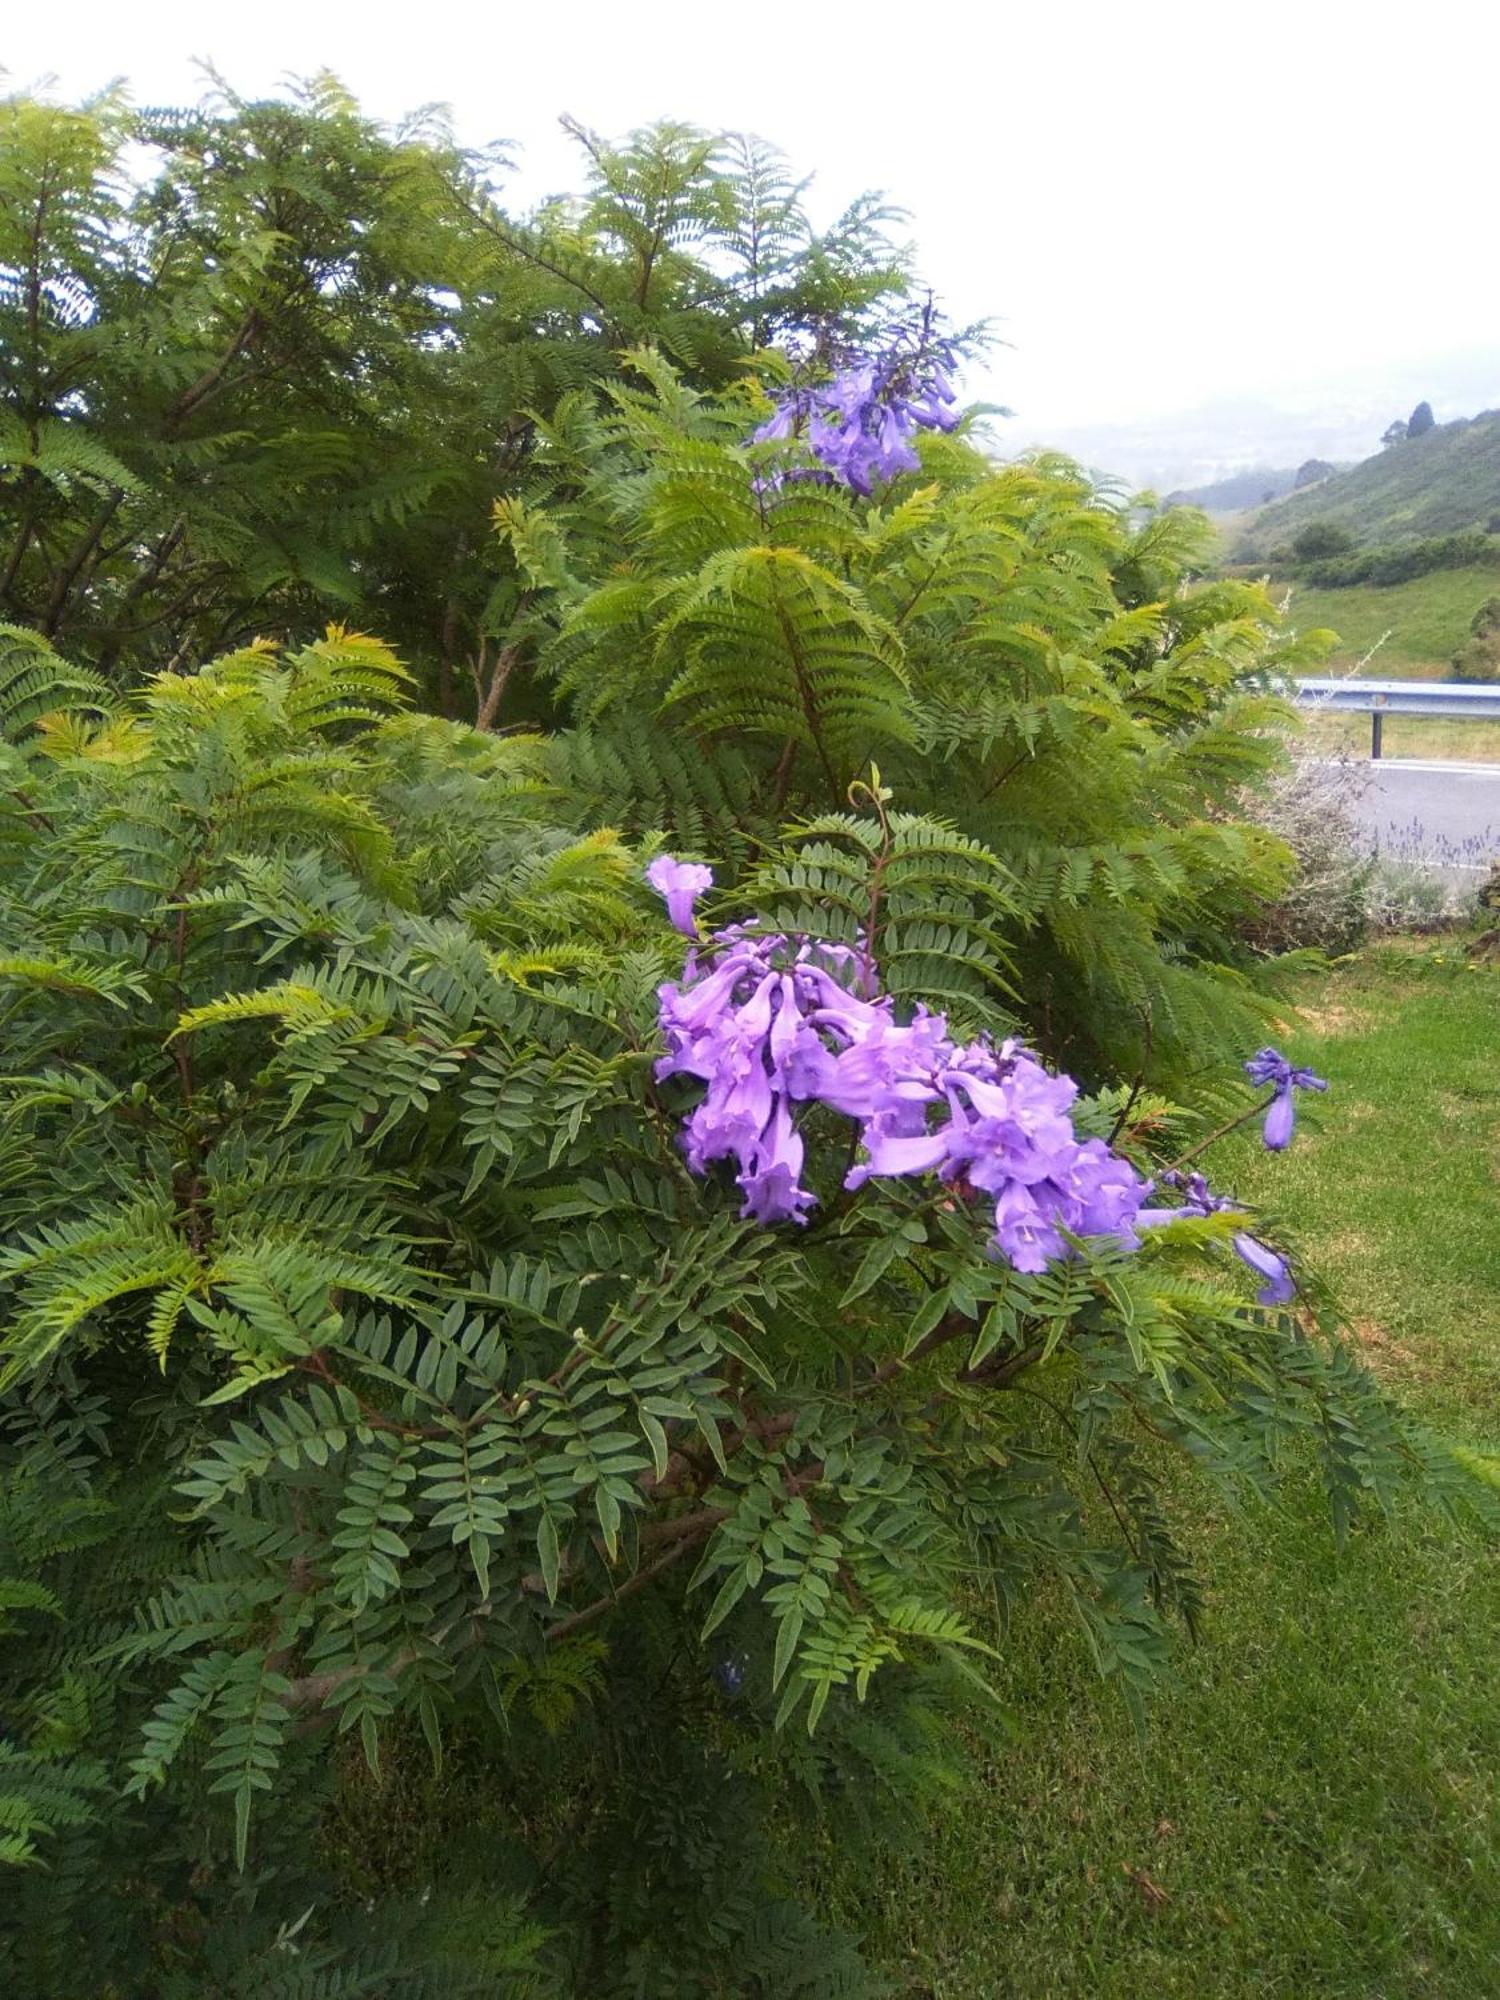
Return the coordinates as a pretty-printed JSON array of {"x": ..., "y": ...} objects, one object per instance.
[
  {"x": 1432, "y": 485},
  {"x": 1422, "y": 623}
]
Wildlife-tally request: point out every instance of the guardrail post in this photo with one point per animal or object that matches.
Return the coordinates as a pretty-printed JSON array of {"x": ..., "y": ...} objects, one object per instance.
[{"x": 1376, "y": 719}]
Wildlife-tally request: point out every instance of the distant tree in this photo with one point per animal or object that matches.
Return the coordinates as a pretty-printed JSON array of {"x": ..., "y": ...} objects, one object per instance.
[
  {"x": 1420, "y": 421},
  {"x": 1394, "y": 433},
  {"x": 1310, "y": 471},
  {"x": 1321, "y": 539}
]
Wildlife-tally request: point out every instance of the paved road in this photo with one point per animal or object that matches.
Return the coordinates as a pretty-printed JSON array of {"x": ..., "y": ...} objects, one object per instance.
[{"x": 1451, "y": 810}]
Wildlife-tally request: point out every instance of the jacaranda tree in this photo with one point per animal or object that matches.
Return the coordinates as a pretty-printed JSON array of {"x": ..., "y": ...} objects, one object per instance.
[
  {"x": 559, "y": 1292},
  {"x": 736, "y": 628},
  {"x": 263, "y": 363},
  {"x": 389, "y": 1392}
]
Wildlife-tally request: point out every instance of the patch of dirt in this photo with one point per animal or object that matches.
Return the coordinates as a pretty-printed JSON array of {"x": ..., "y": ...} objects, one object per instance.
[
  {"x": 1336, "y": 1020},
  {"x": 1347, "y": 1245},
  {"x": 1383, "y": 1352}
]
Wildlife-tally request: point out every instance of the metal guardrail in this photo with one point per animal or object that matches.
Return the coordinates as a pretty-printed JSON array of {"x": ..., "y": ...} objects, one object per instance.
[{"x": 1381, "y": 698}]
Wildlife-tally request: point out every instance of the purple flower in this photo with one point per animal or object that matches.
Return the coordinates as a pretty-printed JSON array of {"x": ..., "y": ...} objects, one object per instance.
[
  {"x": 1279, "y": 1289},
  {"x": 1199, "y": 1200},
  {"x": 1024, "y": 1233},
  {"x": 859, "y": 424},
  {"x": 1008, "y": 1133},
  {"x": 1271, "y": 1066},
  {"x": 681, "y": 883},
  {"x": 768, "y": 1178},
  {"x": 767, "y": 1024}
]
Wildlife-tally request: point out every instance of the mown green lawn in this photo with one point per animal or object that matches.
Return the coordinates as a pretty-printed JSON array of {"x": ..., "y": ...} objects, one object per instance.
[
  {"x": 1316, "y": 1810},
  {"x": 1426, "y": 620}
]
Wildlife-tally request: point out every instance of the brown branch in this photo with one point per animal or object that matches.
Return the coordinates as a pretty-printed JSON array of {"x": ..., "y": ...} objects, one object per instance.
[
  {"x": 1013, "y": 766},
  {"x": 952, "y": 1326},
  {"x": 805, "y": 692},
  {"x": 1219, "y": 1132},
  {"x": 199, "y": 392},
  {"x": 628, "y": 1588},
  {"x": 1000, "y": 1374},
  {"x": 313, "y": 1690},
  {"x": 35, "y": 818},
  {"x": 28, "y": 527},
  {"x": 65, "y": 578},
  {"x": 500, "y": 673}
]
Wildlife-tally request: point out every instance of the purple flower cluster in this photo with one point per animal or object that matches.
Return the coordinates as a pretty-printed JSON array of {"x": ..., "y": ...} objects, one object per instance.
[
  {"x": 768, "y": 1023},
  {"x": 1198, "y": 1199},
  {"x": 859, "y": 424},
  {"x": 1271, "y": 1066}
]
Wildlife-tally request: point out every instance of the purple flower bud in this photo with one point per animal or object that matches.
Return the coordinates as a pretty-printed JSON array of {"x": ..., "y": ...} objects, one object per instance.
[
  {"x": 1271, "y": 1066},
  {"x": 1281, "y": 1119},
  {"x": 730, "y": 1673}
]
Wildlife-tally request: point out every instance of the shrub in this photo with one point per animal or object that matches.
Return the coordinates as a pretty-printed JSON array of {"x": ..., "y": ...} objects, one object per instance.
[
  {"x": 1320, "y": 539},
  {"x": 1478, "y": 659},
  {"x": 385, "y": 1396},
  {"x": 453, "y": 1537},
  {"x": 1400, "y": 562},
  {"x": 1313, "y": 806}
]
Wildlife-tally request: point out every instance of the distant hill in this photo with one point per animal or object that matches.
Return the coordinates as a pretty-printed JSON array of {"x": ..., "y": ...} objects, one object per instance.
[
  {"x": 1238, "y": 491},
  {"x": 1436, "y": 484}
]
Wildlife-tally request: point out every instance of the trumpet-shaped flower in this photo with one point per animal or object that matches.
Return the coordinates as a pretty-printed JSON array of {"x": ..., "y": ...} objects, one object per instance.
[
  {"x": 859, "y": 424},
  {"x": 681, "y": 883},
  {"x": 768, "y": 1023},
  {"x": 1198, "y": 1198}
]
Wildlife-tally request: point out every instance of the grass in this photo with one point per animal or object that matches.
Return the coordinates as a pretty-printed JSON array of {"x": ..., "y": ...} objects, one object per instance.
[
  {"x": 1434, "y": 736},
  {"x": 1427, "y": 619},
  {"x": 1316, "y": 1810}
]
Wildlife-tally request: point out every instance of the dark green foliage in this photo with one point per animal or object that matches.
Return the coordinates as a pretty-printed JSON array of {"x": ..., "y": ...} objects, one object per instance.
[
  {"x": 442, "y": 1539},
  {"x": 1320, "y": 539},
  {"x": 284, "y": 375},
  {"x": 1479, "y": 658},
  {"x": 1397, "y": 563},
  {"x": 1421, "y": 421}
]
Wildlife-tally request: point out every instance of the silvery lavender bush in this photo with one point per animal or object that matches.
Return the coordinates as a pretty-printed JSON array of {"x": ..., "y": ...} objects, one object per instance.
[
  {"x": 1313, "y": 806},
  {"x": 1421, "y": 880}
]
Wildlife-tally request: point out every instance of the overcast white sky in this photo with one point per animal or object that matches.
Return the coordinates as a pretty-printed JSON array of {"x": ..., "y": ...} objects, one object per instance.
[{"x": 1163, "y": 205}]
